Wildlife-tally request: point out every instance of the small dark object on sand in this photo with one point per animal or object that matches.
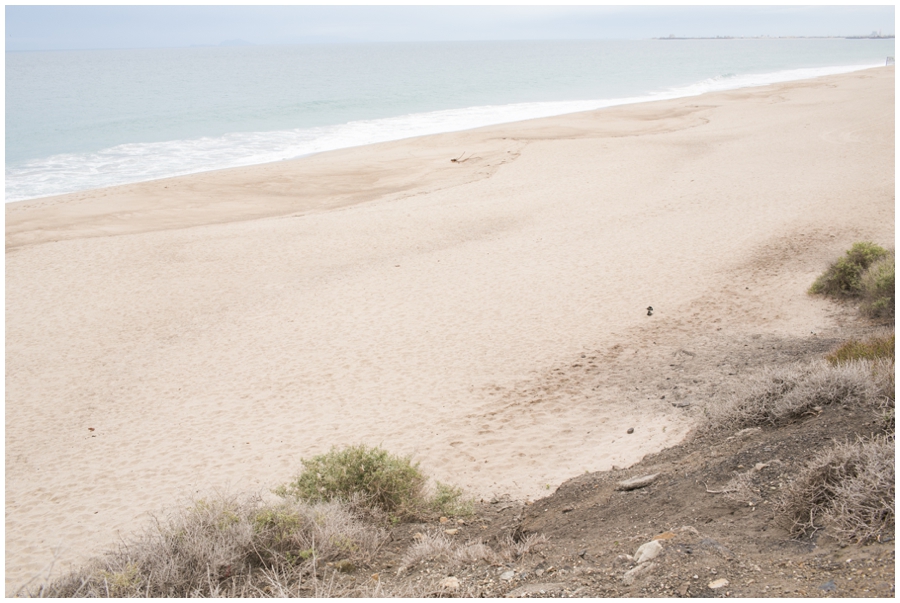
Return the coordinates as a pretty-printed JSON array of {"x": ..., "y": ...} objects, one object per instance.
[{"x": 649, "y": 310}]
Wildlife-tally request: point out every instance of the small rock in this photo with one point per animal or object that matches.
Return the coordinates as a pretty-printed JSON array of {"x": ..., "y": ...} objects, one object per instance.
[
  {"x": 508, "y": 575},
  {"x": 690, "y": 530},
  {"x": 637, "y": 571},
  {"x": 442, "y": 519},
  {"x": 631, "y": 430},
  {"x": 828, "y": 587},
  {"x": 450, "y": 583},
  {"x": 637, "y": 482},
  {"x": 452, "y": 532},
  {"x": 648, "y": 551},
  {"x": 720, "y": 583}
]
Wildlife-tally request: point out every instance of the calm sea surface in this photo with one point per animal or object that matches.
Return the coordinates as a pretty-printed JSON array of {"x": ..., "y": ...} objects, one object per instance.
[{"x": 78, "y": 120}]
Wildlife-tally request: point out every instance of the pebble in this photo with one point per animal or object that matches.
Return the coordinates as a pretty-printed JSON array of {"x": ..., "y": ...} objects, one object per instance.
[
  {"x": 720, "y": 583},
  {"x": 508, "y": 575},
  {"x": 452, "y": 532},
  {"x": 648, "y": 551},
  {"x": 631, "y": 430},
  {"x": 829, "y": 586}
]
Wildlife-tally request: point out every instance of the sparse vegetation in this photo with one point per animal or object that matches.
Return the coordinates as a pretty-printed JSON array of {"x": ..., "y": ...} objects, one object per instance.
[
  {"x": 333, "y": 519},
  {"x": 877, "y": 347},
  {"x": 229, "y": 547},
  {"x": 782, "y": 394},
  {"x": 877, "y": 284},
  {"x": 848, "y": 489},
  {"x": 437, "y": 547},
  {"x": 332, "y": 516},
  {"x": 449, "y": 500},
  {"x": 844, "y": 277},
  {"x": 388, "y": 482}
]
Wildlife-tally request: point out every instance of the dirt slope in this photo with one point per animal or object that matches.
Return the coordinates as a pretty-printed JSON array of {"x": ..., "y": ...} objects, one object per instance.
[{"x": 592, "y": 530}]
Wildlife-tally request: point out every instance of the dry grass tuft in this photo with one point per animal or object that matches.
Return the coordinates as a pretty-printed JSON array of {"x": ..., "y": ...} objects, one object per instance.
[
  {"x": 848, "y": 489},
  {"x": 511, "y": 549},
  {"x": 427, "y": 547},
  {"x": 437, "y": 547},
  {"x": 229, "y": 547},
  {"x": 782, "y": 394}
]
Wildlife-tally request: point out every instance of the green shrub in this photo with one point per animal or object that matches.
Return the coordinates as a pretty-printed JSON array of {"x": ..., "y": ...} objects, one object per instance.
[
  {"x": 449, "y": 500},
  {"x": 391, "y": 483},
  {"x": 874, "y": 348},
  {"x": 844, "y": 277},
  {"x": 877, "y": 284},
  {"x": 371, "y": 477}
]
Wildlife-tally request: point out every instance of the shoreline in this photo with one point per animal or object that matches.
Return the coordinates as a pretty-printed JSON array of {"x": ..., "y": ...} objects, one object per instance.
[
  {"x": 486, "y": 316},
  {"x": 335, "y": 137}
]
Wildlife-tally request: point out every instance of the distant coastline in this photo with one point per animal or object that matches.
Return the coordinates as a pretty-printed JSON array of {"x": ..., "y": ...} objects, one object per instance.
[{"x": 869, "y": 37}]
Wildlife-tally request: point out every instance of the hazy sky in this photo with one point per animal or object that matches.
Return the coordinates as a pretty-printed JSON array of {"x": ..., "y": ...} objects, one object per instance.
[{"x": 70, "y": 27}]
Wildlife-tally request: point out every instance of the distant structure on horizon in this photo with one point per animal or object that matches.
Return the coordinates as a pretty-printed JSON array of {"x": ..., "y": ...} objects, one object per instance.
[{"x": 875, "y": 35}]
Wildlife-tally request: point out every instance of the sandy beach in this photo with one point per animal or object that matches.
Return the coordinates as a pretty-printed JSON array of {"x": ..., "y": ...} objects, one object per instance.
[{"x": 486, "y": 316}]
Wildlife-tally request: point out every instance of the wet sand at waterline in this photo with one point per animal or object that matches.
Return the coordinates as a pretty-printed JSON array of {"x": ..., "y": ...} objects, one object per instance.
[{"x": 486, "y": 316}]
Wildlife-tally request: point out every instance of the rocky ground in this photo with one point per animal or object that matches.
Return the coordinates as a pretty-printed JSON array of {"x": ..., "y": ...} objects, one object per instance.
[{"x": 679, "y": 536}]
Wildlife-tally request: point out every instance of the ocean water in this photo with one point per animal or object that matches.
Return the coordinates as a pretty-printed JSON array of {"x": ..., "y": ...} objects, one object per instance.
[{"x": 78, "y": 120}]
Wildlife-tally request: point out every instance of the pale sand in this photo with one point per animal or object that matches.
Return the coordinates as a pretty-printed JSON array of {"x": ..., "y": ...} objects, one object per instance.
[{"x": 486, "y": 317}]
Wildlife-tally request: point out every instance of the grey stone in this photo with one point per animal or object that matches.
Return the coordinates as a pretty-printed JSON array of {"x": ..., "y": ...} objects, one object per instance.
[
  {"x": 648, "y": 551},
  {"x": 637, "y": 482},
  {"x": 828, "y": 587}
]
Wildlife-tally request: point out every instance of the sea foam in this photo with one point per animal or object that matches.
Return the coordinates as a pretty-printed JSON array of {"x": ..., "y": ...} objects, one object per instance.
[{"x": 137, "y": 162}]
